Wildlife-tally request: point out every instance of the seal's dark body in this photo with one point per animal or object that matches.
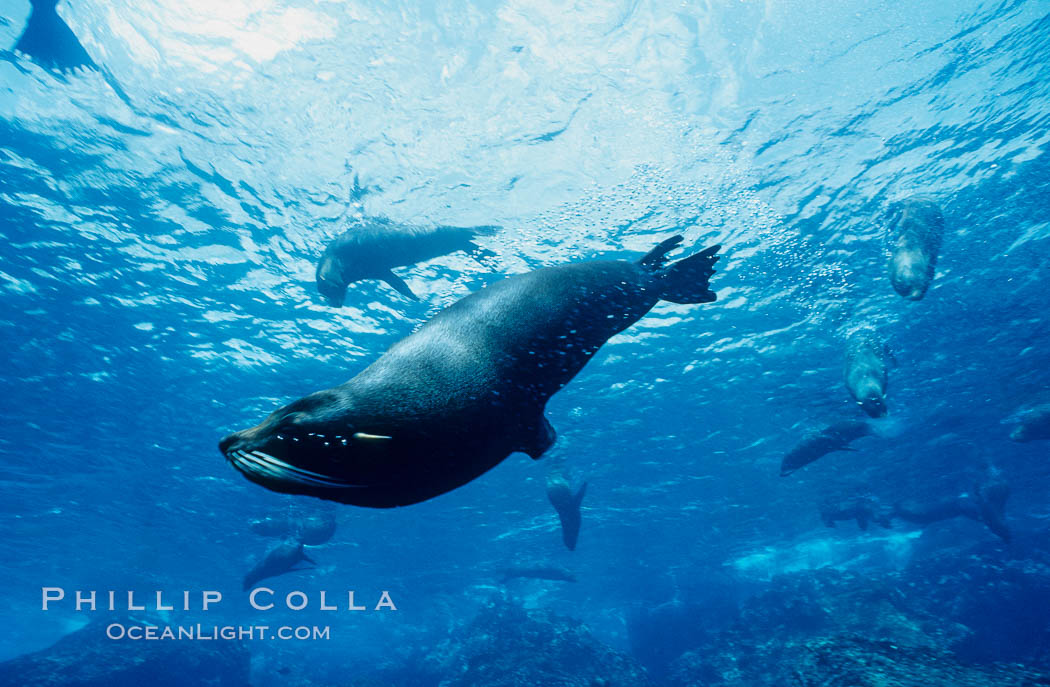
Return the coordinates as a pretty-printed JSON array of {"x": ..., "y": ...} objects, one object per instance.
[{"x": 453, "y": 399}]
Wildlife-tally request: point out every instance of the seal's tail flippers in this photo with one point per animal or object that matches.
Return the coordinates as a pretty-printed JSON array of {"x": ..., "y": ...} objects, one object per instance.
[
  {"x": 577, "y": 499},
  {"x": 685, "y": 280}
]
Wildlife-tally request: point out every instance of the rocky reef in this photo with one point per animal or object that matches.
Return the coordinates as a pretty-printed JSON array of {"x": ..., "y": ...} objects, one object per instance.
[
  {"x": 505, "y": 646},
  {"x": 975, "y": 619},
  {"x": 87, "y": 658}
]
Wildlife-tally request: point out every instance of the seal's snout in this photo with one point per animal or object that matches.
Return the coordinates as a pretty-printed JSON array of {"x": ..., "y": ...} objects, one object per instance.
[
  {"x": 874, "y": 406},
  {"x": 227, "y": 443}
]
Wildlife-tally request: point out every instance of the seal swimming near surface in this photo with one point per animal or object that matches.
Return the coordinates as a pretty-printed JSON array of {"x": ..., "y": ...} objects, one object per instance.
[
  {"x": 468, "y": 388},
  {"x": 279, "y": 560},
  {"x": 1033, "y": 425},
  {"x": 836, "y": 437},
  {"x": 49, "y": 41},
  {"x": 371, "y": 249},
  {"x": 866, "y": 373},
  {"x": 916, "y": 226},
  {"x": 567, "y": 505}
]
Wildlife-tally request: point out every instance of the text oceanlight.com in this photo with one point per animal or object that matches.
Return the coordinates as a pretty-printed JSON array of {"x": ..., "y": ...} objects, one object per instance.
[{"x": 119, "y": 631}]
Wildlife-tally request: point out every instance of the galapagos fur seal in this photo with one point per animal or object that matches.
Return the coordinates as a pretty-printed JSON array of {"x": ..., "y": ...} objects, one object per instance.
[
  {"x": 1033, "y": 425},
  {"x": 567, "y": 505},
  {"x": 468, "y": 388},
  {"x": 370, "y": 249},
  {"x": 49, "y": 41},
  {"x": 836, "y": 437},
  {"x": 986, "y": 504},
  {"x": 864, "y": 510},
  {"x": 279, "y": 560},
  {"x": 916, "y": 227},
  {"x": 866, "y": 372},
  {"x": 311, "y": 530}
]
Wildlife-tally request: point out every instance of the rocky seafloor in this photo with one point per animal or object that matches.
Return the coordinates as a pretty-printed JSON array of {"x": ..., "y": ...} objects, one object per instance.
[{"x": 967, "y": 618}]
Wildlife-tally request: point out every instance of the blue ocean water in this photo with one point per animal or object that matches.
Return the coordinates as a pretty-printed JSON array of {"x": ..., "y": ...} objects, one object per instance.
[{"x": 162, "y": 215}]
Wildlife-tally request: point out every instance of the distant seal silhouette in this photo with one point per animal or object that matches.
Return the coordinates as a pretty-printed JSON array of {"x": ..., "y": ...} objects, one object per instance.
[
  {"x": 1033, "y": 425},
  {"x": 986, "y": 504},
  {"x": 556, "y": 574},
  {"x": 49, "y": 41},
  {"x": 836, "y": 437},
  {"x": 467, "y": 389},
  {"x": 279, "y": 560},
  {"x": 312, "y": 530},
  {"x": 866, "y": 370},
  {"x": 864, "y": 510},
  {"x": 370, "y": 249},
  {"x": 567, "y": 505},
  {"x": 990, "y": 497},
  {"x": 916, "y": 227},
  {"x": 316, "y": 529}
]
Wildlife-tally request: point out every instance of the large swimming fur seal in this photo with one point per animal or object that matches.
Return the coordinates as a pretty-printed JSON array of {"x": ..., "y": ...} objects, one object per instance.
[
  {"x": 866, "y": 373},
  {"x": 371, "y": 249},
  {"x": 467, "y": 389},
  {"x": 916, "y": 227}
]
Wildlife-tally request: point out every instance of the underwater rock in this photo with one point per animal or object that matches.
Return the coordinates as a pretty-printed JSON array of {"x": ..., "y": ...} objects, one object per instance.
[
  {"x": 964, "y": 617},
  {"x": 1002, "y": 601},
  {"x": 763, "y": 644},
  {"x": 505, "y": 646},
  {"x": 846, "y": 662},
  {"x": 87, "y": 658}
]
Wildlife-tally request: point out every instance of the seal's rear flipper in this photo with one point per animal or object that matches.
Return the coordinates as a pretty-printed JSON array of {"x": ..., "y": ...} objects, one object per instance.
[
  {"x": 686, "y": 280},
  {"x": 399, "y": 285},
  {"x": 654, "y": 259},
  {"x": 991, "y": 502}
]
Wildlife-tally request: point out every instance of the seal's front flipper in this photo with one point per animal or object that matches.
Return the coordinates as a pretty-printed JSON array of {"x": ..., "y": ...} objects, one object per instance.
[
  {"x": 541, "y": 436},
  {"x": 399, "y": 285},
  {"x": 484, "y": 256}
]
